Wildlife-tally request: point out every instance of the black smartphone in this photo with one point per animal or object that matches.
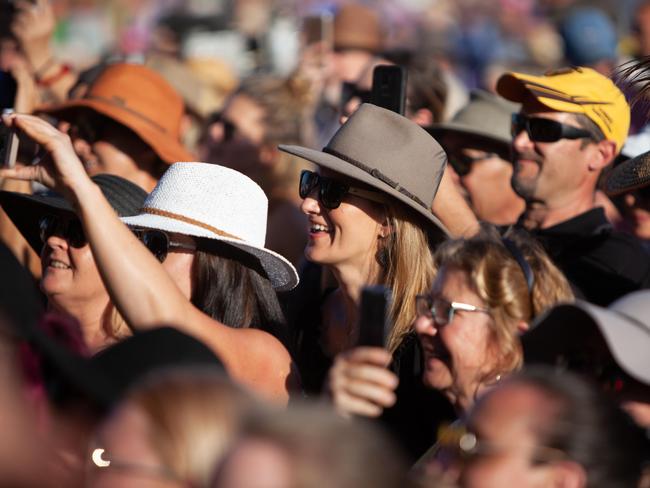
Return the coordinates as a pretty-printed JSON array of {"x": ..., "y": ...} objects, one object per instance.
[
  {"x": 374, "y": 316},
  {"x": 8, "y": 89},
  {"x": 389, "y": 87},
  {"x": 8, "y": 146}
]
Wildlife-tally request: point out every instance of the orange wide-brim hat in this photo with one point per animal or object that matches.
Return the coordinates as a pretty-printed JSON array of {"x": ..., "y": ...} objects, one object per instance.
[{"x": 138, "y": 98}]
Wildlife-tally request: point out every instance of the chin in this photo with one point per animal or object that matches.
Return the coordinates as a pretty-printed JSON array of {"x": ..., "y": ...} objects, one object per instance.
[{"x": 436, "y": 375}]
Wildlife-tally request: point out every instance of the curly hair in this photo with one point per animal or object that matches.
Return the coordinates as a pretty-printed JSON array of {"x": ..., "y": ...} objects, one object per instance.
[{"x": 498, "y": 278}]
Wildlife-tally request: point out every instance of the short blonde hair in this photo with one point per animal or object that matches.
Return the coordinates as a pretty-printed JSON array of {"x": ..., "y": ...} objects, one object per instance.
[
  {"x": 193, "y": 415},
  {"x": 497, "y": 277}
]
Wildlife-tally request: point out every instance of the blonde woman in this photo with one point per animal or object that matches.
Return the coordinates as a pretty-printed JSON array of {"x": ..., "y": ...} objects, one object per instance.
[{"x": 486, "y": 291}]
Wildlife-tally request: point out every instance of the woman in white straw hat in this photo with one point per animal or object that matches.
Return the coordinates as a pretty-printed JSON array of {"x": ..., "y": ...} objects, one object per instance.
[{"x": 149, "y": 294}]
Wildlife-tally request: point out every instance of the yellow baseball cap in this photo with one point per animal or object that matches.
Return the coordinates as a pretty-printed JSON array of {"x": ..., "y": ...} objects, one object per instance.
[{"x": 576, "y": 90}]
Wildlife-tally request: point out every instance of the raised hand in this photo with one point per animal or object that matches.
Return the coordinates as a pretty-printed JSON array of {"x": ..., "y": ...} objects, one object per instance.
[
  {"x": 360, "y": 383},
  {"x": 60, "y": 168}
]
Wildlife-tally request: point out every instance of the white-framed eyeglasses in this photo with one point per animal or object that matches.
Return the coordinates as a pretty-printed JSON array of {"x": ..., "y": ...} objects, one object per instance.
[{"x": 442, "y": 311}]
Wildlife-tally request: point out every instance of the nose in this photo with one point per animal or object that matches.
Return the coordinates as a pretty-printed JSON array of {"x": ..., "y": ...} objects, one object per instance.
[
  {"x": 81, "y": 147},
  {"x": 425, "y": 326},
  {"x": 521, "y": 141},
  {"x": 310, "y": 204}
]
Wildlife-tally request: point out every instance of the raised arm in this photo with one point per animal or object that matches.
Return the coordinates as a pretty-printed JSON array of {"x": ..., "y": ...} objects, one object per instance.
[{"x": 139, "y": 286}]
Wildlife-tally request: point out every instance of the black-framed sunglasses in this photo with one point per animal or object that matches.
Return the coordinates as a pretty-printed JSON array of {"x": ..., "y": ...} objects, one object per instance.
[
  {"x": 159, "y": 242},
  {"x": 332, "y": 191},
  {"x": 69, "y": 229},
  {"x": 462, "y": 163},
  {"x": 545, "y": 130}
]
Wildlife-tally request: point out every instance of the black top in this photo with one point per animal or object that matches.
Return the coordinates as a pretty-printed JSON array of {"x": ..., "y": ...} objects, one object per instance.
[
  {"x": 413, "y": 421},
  {"x": 600, "y": 263}
]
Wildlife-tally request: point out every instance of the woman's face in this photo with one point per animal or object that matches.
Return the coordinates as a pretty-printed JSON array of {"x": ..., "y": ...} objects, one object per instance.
[
  {"x": 70, "y": 275},
  {"x": 344, "y": 236},
  {"x": 458, "y": 353}
]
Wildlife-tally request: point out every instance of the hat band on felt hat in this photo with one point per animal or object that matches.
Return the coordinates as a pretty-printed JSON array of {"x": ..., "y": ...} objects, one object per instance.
[{"x": 189, "y": 220}]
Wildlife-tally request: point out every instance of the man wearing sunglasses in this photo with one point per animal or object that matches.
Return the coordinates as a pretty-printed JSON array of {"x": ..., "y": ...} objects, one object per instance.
[
  {"x": 477, "y": 142},
  {"x": 572, "y": 124}
]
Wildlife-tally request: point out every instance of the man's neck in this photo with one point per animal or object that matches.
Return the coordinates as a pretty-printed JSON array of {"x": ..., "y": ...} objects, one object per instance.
[{"x": 542, "y": 215}]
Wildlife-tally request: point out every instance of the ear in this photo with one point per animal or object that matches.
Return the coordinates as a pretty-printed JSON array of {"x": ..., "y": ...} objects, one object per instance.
[
  {"x": 522, "y": 326},
  {"x": 423, "y": 117},
  {"x": 606, "y": 151},
  {"x": 568, "y": 474}
]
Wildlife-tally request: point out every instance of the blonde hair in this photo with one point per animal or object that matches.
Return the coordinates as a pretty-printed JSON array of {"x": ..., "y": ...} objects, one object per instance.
[
  {"x": 499, "y": 280},
  {"x": 409, "y": 269},
  {"x": 193, "y": 415}
]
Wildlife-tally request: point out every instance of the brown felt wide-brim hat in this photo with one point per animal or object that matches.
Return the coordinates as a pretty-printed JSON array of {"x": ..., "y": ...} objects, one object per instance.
[
  {"x": 629, "y": 175},
  {"x": 388, "y": 152},
  {"x": 138, "y": 98}
]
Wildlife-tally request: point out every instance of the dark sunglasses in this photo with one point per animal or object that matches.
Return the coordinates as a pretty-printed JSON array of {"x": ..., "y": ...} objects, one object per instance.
[
  {"x": 159, "y": 243},
  {"x": 545, "y": 130},
  {"x": 96, "y": 128},
  {"x": 462, "y": 163},
  {"x": 69, "y": 229},
  {"x": 332, "y": 191}
]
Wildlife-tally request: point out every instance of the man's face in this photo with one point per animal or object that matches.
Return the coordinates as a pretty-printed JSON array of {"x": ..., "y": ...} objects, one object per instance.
[
  {"x": 550, "y": 171},
  {"x": 484, "y": 176},
  {"x": 508, "y": 451}
]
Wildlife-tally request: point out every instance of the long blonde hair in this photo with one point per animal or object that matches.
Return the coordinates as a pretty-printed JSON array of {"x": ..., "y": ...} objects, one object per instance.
[{"x": 409, "y": 269}]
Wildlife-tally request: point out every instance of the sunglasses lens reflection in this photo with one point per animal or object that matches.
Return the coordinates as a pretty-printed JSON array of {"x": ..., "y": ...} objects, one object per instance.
[{"x": 156, "y": 242}]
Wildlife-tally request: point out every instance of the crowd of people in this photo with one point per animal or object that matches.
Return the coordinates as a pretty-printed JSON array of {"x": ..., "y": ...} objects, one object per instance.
[{"x": 187, "y": 253}]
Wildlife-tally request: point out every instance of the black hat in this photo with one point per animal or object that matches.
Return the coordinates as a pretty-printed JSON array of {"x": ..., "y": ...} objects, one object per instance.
[
  {"x": 25, "y": 210},
  {"x": 20, "y": 302},
  {"x": 104, "y": 378}
]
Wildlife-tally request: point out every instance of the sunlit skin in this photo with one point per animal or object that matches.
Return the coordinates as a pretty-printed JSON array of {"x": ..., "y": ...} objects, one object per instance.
[
  {"x": 556, "y": 179},
  {"x": 456, "y": 355},
  {"x": 506, "y": 418},
  {"x": 255, "y": 463},
  {"x": 119, "y": 152},
  {"x": 179, "y": 264},
  {"x": 489, "y": 190},
  {"x": 345, "y": 240},
  {"x": 73, "y": 286}
]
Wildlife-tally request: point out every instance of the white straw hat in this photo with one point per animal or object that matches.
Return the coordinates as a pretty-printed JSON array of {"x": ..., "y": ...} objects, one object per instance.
[{"x": 213, "y": 202}]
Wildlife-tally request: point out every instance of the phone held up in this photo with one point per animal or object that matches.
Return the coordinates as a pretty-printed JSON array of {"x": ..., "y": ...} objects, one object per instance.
[
  {"x": 374, "y": 316},
  {"x": 389, "y": 87},
  {"x": 8, "y": 144}
]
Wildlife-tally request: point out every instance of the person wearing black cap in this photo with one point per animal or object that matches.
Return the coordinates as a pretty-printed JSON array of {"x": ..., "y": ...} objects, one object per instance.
[{"x": 70, "y": 278}]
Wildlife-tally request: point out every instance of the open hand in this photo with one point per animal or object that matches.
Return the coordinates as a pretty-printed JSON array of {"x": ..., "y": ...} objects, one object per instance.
[
  {"x": 60, "y": 169},
  {"x": 360, "y": 383}
]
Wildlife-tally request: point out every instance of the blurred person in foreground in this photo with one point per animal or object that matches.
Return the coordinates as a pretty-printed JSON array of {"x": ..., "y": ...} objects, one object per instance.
[
  {"x": 147, "y": 292},
  {"x": 539, "y": 429},
  {"x": 609, "y": 346},
  {"x": 265, "y": 111},
  {"x": 486, "y": 291},
  {"x": 477, "y": 143},
  {"x": 309, "y": 447},
  {"x": 572, "y": 124},
  {"x": 170, "y": 430}
]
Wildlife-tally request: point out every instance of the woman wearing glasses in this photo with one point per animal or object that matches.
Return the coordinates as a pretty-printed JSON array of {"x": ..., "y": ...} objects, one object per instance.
[
  {"x": 197, "y": 207},
  {"x": 486, "y": 291}
]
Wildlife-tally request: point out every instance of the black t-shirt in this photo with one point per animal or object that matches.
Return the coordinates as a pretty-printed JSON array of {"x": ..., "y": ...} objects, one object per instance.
[{"x": 600, "y": 263}]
